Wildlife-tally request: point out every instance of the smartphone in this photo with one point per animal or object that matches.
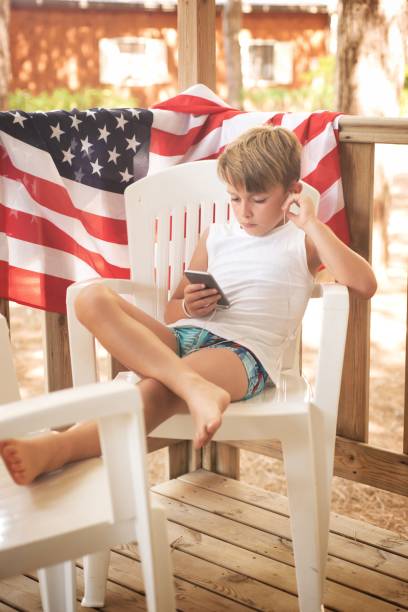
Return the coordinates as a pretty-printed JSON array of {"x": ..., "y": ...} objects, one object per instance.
[{"x": 207, "y": 279}]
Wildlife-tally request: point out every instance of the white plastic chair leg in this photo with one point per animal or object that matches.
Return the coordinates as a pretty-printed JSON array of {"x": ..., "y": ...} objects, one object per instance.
[
  {"x": 156, "y": 564},
  {"x": 96, "y": 567},
  {"x": 58, "y": 587},
  {"x": 304, "y": 508}
]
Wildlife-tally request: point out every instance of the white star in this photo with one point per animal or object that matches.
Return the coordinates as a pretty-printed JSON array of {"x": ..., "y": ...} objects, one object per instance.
[
  {"x": 103, "y": 134},
  {"x": 86, "y": 145},
  {"x": 75, "y": 122},
  {"x": 90, "y": 113},
  {"x": 126, "y": 176},
  {"x": 96, "y": 168},
  {"x": 132, "y": 143},
  {"x": 113, "y": 155},
  {"x": 121, "y": 121},
  {"x": 56, "y": 131},
  {"x": 19, "y": 118},
  {"x": 68, "y": 156},
  {"x": 135, "y": 113}
]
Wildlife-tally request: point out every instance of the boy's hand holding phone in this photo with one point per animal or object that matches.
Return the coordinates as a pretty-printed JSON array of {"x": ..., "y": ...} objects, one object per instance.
[{"x": 200, "y": 301}]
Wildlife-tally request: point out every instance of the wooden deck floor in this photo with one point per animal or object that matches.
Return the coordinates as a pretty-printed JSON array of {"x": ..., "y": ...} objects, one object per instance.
[{"x": 232, "y": 551}]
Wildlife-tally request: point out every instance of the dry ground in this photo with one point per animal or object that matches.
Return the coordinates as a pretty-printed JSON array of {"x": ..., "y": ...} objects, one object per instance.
[{"x": 386, "y": 380}]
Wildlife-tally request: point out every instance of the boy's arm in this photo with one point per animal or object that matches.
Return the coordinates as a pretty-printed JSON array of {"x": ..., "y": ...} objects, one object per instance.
[
  {"x": 323, "y": 247},
  {"x": 198, "y": 301}
]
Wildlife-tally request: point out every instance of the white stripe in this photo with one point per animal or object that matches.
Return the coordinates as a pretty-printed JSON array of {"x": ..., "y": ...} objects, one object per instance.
[
  {"x": 174, "y": 122},
  {"x": 317, "y": 148},
  {"x": 30, "y": 159},
  {"x": 212, "y": 142},
  {"x": 15, "y": 196},
  {"x": 96, "y": 201},
  {"x": 44, "y": 260},
  {"x": 331, "y": 201}
]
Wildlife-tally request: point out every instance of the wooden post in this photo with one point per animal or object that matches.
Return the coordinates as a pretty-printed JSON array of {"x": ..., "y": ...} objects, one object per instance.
[
  {"x": 405, "y": 441},
  {"x": 357, "y": 169},
  {"x": 5, "y": 309},
  {"x": 196, "y": 43},
  {"x": 56, "y": 352}
]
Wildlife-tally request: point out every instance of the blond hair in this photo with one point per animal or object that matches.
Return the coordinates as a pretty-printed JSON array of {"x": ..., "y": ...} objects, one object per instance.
[{"x": 260, "y": 159}]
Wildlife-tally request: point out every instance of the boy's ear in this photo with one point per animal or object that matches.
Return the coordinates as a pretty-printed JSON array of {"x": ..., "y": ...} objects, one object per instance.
[{"x": 295, "y": 187}]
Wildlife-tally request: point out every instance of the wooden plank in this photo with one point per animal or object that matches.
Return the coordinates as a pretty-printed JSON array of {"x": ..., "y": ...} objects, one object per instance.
[
  {"x": 373, "y": 130},
  {"x": 126, "y": 571},
  {"x": 196, "y": 43},
  {"x": 353, "y": 529},
  {"x": 349, "y": 587},
  {"x": 23, "y": 593},
  {"x": 5, "y": 608},
  {"x": 253, "y": 517},
  {"x": 405, "y": 432},
  {"x": 357, "y": 169},
  {"x": 356, "y": 461},
  {"x": 56, "y": 352}
]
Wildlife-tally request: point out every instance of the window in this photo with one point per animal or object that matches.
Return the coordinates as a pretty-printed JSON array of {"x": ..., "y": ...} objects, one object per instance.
[
  {"x": 133, "y": 61},
  {"x": 266, "y": 61}
]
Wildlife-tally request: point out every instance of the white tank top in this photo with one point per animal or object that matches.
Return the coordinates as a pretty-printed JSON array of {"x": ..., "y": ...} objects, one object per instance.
[{"x": 268, "y": 284}]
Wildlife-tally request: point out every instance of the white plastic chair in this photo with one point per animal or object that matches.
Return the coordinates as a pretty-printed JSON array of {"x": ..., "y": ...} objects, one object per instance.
[
  {"x": 185, "y": 199},
  {"x": 87, "y": 506}
]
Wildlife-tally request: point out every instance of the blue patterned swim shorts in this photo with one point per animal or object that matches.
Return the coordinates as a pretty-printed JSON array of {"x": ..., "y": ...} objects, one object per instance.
[{"x": 190, "y": 339}]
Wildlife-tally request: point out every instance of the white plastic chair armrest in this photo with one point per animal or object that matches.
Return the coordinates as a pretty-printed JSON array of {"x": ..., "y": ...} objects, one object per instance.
[{"x": 88, "y": 402}]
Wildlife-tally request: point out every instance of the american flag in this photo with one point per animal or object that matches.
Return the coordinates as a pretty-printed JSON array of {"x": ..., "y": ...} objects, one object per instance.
[{"x": 63, "y": 174}]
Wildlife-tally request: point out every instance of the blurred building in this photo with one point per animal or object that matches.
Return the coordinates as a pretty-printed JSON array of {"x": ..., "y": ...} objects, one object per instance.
[{"x": 132, "y": 44}]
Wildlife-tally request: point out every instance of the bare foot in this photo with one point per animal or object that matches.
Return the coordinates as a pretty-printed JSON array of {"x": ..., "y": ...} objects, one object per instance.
[
  {"x": 28, "y": 458},
  {"x": 207, "y": 403}
]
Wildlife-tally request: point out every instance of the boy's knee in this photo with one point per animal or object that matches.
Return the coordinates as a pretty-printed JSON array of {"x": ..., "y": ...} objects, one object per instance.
[{"x": 91, "y": 302}]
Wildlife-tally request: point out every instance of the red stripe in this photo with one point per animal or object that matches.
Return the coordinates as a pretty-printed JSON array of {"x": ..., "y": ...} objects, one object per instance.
[
  {"x": 314, "y": 125},
  {"x": 41, "y": 231},
  {"x": 339, "y": 224},
  {"x": 164, "y": 143},
  {"x": 326, "y": 172},
  {"x": 276, "y": 119},
  {"x": 32, "y": 288},
  {"x": 191, "y": 105},
  {"x": 56, "y": 197}
]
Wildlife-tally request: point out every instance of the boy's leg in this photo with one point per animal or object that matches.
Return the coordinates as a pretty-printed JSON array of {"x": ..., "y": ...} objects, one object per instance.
[
  {"x": 147, "y": 347},
  {"x": 28, "y": 458}
]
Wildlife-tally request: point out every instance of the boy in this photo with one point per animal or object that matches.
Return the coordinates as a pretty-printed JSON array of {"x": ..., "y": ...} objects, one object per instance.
[{"x": 206, "y": 357}]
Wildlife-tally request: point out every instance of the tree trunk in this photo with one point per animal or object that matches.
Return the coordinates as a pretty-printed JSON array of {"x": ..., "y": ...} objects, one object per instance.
[
  {"x": 4, "y": 52},
  {"x": 370, "y": 76},
  {"x": 370, "y": 56},
  {"x": 231, "y": 27}
]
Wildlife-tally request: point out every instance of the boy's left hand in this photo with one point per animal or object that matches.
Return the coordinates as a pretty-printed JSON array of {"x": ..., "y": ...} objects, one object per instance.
[{"x": 304, "y": 209}]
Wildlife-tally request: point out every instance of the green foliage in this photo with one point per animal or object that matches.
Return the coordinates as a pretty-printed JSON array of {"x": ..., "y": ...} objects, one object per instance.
[
  {"x": 315, "y": 93},
  {"x": 64, "y": 99}
]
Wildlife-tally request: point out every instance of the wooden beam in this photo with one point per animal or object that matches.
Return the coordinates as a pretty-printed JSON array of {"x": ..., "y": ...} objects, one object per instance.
[
  {"x": 357, "y": 169},
  {"x": 356, "y": 461},
  {"x": 373, "y": 130},
  {"x": 196, "y": 43},
  {"x": 56, "y": 352}
]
